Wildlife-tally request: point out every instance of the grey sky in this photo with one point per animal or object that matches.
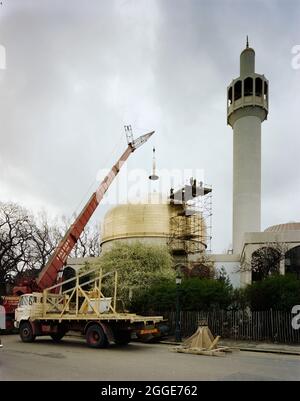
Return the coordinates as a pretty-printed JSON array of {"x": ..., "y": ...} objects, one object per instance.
[{"x": 77, "y": 71}]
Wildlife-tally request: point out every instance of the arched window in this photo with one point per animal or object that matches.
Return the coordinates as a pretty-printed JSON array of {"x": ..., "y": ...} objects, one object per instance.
[
  {"x": 248, "y": 87},
  {"x": 258, "y": 87},
  {"x": 265, "y": 261},
  {"x": 237, "y": 90},
  {"x": 266, "y": 91},
  {"x": 229, "y": 96},
  {"x": 292, "y": 262},
  {"x": 68, "y": 273}
]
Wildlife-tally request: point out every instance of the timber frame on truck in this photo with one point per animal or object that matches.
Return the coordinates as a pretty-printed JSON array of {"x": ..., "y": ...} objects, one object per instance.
[{"x": 82, "y": 308}]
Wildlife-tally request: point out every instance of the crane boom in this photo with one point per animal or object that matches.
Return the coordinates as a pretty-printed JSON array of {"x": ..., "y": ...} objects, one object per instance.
[{"x": 48, "y": 275}]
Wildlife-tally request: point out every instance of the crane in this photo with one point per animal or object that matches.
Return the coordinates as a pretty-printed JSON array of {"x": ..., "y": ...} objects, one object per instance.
[{"x": 48, "y": 275}]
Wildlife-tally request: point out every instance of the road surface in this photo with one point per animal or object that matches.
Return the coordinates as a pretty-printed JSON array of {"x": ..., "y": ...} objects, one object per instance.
[{"x": 73, "y": 360}]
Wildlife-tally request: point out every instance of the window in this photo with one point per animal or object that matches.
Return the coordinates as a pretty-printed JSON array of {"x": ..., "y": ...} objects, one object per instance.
[
  {"x": 266, "y": 91},
  {"x": 292, "y": 262},
  {"x": 229, "y": 96},
  {"x": 248, "y": 86},
  {"x": 237, "y": 90},
  {"x": 258, "y": 87},
  {"x": 24, "y": 301}
]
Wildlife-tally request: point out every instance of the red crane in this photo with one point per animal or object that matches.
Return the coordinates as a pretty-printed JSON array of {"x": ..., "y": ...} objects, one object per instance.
[{"x": 48, "y": 275}]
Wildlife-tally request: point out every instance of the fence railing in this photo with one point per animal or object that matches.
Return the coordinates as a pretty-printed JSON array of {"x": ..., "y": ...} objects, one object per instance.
[{"x": 274, "y": 326}]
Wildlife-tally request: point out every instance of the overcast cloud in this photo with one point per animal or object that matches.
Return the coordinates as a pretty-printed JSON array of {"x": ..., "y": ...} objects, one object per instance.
[{"x": 77, "y": 71}]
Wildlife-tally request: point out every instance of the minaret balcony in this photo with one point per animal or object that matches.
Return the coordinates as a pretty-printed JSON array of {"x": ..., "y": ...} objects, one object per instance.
[{"x": 249, "y": 91}]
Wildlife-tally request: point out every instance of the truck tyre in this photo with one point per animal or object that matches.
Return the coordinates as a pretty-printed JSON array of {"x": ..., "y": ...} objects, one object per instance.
[
  {"x": 122, "y": 337},
  {"x": 56, "y": 337},
  {"x": 26, "y": 332},
  {"x": 95, "y": 337}
]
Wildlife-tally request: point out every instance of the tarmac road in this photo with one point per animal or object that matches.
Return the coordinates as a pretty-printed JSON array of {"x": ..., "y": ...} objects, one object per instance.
[{"x": 73, "y": 360}]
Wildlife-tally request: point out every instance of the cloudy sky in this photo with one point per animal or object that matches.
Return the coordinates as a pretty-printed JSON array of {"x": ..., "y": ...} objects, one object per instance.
[{"x": 77, "y": 71}]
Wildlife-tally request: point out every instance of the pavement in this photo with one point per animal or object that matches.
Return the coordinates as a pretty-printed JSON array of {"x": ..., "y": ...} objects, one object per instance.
[
  {"x": 252, "y": 346},
  {"x": 275, "y": 348},
  {"x": 73, "y": 360}
]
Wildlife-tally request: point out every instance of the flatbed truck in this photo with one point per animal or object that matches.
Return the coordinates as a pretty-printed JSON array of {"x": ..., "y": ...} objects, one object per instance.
[{"x": 85, "y": 311}]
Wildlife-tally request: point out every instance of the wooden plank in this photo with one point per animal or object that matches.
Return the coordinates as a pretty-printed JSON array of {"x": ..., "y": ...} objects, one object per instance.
[{"x": 214, "y": 343}]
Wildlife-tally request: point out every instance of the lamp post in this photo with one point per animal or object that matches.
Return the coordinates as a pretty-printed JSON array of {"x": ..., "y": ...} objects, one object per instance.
[{"x": 177, "y": 316}]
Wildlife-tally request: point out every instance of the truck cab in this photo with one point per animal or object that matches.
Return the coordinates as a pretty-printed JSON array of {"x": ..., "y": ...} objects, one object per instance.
[{"x": 28, "y": 306}]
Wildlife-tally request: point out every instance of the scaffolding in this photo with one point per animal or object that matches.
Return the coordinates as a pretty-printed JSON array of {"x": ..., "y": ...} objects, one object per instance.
[{"x": 191, "y": 220}]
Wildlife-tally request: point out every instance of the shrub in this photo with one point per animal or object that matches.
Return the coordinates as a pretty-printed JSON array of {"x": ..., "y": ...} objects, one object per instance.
[
  {"x": 275, "y": 292},
  {"x": 195, "y": 294}
]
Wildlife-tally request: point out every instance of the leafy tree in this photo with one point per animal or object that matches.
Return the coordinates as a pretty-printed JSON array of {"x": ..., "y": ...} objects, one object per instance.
[
  {"x": 222, "y": 275},
  {"x": 139, "y": 267}
]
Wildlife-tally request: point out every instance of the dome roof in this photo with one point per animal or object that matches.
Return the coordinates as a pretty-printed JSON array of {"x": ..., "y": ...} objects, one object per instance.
[
  {"x": 279, "y": 228},
  {"x": 154, "y": 218},
  {"x": 148, "y": 219}
]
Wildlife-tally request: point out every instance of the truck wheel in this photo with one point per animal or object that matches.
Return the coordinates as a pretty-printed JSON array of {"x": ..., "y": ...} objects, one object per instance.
[
  {"x": 95, "y": 337},
  {"x": 26, "y": 332},
  {"x": 56, "y": 337},
  {"x": 122, "y": 337}
]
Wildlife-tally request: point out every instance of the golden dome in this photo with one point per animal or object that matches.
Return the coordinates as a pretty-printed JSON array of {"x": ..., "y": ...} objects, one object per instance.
[
  {"x": 156, "y": 220},
  {"x": 137, "y": 220}
]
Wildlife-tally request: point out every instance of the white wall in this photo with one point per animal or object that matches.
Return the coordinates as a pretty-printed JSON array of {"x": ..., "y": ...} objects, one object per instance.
[{"x": 231, "y": 269}]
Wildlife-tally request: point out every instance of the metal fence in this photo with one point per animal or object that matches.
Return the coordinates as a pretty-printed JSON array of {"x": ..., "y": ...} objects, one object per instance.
[{"x": 274, "y": 326}]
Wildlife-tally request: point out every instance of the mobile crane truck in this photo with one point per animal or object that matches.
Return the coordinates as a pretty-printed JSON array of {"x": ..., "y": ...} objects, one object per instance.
[
  {"x": 83, "y": 308},
  {"x": 45, "y": 309}
]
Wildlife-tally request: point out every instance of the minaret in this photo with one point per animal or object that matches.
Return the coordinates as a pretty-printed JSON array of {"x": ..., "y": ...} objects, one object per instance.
[{"x": 247, "y": 108}]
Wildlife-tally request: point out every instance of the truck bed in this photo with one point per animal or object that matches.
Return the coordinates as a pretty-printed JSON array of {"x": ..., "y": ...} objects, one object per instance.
[{"x": 130, "y": 317}]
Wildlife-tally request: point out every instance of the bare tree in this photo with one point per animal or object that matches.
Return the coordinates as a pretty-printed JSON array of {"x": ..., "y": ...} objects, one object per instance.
[
  {"x": 26, "y": 242},
  {"x": 16, "y": 234},
  {"x": 203, "y": 267},
  {"x": 88, "y": 243},
  {"x": 46, "y": 236}
]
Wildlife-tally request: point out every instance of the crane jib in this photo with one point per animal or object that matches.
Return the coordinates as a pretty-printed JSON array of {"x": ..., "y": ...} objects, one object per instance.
[{"x": 48, "y": 275}]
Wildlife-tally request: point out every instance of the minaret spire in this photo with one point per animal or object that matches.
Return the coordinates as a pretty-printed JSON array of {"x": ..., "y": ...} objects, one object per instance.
[
  {"x": 247, "y": 42},
  {"x": 153, "y": 176}
]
